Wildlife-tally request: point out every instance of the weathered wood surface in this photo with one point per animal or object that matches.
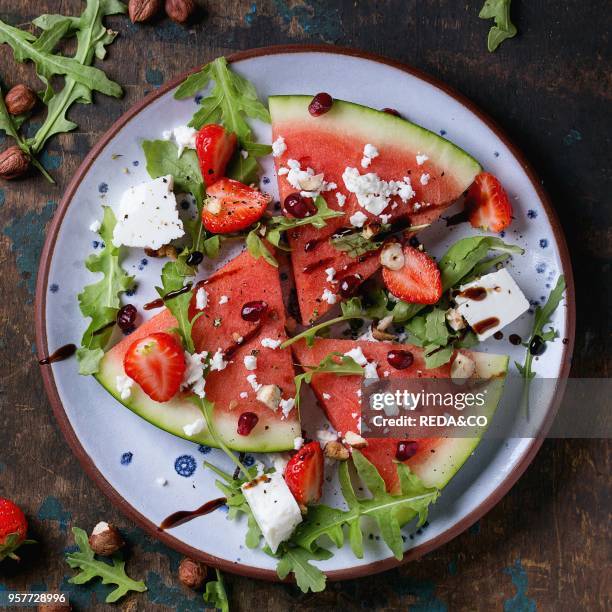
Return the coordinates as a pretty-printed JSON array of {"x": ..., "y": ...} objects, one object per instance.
[{"x": 547, "y": 544}]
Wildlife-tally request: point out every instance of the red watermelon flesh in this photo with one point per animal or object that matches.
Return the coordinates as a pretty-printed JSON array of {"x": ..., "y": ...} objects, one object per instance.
[
  {"x": 331, "y": 143},
  {"x": 436, "y": 459}
]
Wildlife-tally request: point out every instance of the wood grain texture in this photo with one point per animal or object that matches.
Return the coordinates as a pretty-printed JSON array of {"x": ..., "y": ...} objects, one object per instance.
[{"x": 547, "y": 544}]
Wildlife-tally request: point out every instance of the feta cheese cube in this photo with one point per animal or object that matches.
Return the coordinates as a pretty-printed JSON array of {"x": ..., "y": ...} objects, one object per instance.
[
  {"x": 273, "y": 506},
  {"x": 358, "y": 219},
  {"x": 124, "y": 386},
  {"x": 501, "y": 303},
  {"x": 341, "y": 199},
  {"x": 223, "y": 300},
  {"x": 270, "y": 343},
  {"x": 370, "y": 370},
  {"x": 250, "y": 362},
  {"x": 147, "y": 215},
  {"x": 357, "y": 356},
  {"x": 269, "y": 395},
  {"x": 217, "y": 363},
  {"x": 286, "y": 406},
  {"x": 421, "y": 159},
  {"x": 252, "y": 380},
  {"x": 331, "y": 273},
  {"x": 329, "y": 296},
  {"x": 424, "y": 178},
  {"x": 201, "y": 298}
]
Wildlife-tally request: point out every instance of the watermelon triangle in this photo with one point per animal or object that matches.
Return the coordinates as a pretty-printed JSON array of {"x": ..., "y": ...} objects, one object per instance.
[
  {"x": 436, "y": 460},
  {"x": 332, "y": 142}
]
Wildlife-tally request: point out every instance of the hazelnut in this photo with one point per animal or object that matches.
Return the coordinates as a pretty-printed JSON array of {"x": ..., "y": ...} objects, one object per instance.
[
  {"x": 143, "y": 10},
  {"x": 392, "y": 256},
  {"x": 355, "y": 440},
  {"x": 166, "y": 250},
  {"x": 336, "y": 450},
  {"x": 13, "y": 162},
  {"x": 192, "y": 573},
  {"x": 20, "y": 99},
  {"x": 463, "y": 367},
  {"x": 105, "y": 539},
  {"x": 179, "y": 10}
]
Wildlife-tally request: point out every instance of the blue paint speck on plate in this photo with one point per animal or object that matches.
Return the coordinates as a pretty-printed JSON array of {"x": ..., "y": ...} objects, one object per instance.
[
  {"x": 496, "y": 153},
  {"x": 532, "y": 214},
  {"x": 249, "y": 460},
  {"x": 103, "y": 187},
  {"x": 135, "y": 162},
  {"x": 198, "y": 98},
  {"x": 131, "y": 291},
  {"x": 144, "y": 262},
  {"x": 126, "y": 458},
  {"x": 185, "y": 465},
  {"x": 540, "y": 268},
  {"x": 543, "y": 243},
  {"x": 204, "y": 449},
  {"x": 265, "y": 180},
  {"x": 442, "y": 132},
  {"x": 53, "y": 287},
  {"x": 502, "y": 234}
]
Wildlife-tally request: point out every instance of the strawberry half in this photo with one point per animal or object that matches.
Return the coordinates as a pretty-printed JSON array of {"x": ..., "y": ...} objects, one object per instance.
[
  {"x": 418, "y": 281},
  {"x": 157, "y": 363},
  {"x": 304, "y": 474},
  {"x": 13, "y": 529},
  {"x": 215, "y": 147},
  {"x": 487, "y": 204},
  {"x": 231, "y": 206}
]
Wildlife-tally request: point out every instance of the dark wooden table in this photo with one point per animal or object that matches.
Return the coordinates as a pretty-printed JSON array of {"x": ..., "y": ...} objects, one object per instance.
[{"x": 547, "y": 544}]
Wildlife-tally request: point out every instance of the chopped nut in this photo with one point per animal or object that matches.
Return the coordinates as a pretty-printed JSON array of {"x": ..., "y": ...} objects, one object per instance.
[
  {"x": 270, "y": 395},
  {"x": 13, "y": 162},
  {"x": 233, "y": 404},
  {"x": 336, "y": 450},
  {"x": 20, "y": 99},
  {"x": 379, "y": 330},
  {"x": 167, "y": 250},
  {"x": 312, "y": 183},
  {"x": 462, "y": 368},
  {"x": 192, "y": 573},
  {"x": 370, "y": 230},
  {"x": 179, "y": 10},
  {"x": 392, "y": 256},
  {"x": 355, "y": 440},
  {"x": 105, "y": 539},
  {"x": 143, "y": 10},
  {"x": 237, "y": 338},
  {"x": 455, "y": 319}
]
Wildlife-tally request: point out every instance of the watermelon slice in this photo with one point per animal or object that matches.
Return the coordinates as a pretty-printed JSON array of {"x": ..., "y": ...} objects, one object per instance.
[
  {"x": 437, "y": 459},
  {"x": 243, "y": 279},
  {"x": 334, "y": 141}
]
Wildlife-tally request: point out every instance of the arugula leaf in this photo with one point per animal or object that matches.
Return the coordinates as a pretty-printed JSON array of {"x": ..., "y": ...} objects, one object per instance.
[
  {"x": 347, "y": 366},
  {"x": 215, "y": 593},
  {"x": 381, "y": 506},
  {"x": 162, "y": 158},
  {"x": 100, "y": 300},
  {"x": 257, "y": 247},
  {"x": 310, "y": 334},
  {"x": 499, "y": 10},
  {"x": 436, "y": 355},
  {"x": 90, "y": 568},
  {"x": 297, "y": 560},
  {"x": 542, "y": 317}
]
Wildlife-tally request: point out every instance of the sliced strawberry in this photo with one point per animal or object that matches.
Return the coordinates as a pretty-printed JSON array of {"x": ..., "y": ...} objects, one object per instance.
[
  {"x": 232, "y": 206},
  {"x": 304, "y": 474},
  {"x": 418, "y": 281},
  {"x": 487, "y": 204},
  {"x": 13, "y": 528},
  {"x": 157, "y": 363},
  {"x": 215, "y": 147}
]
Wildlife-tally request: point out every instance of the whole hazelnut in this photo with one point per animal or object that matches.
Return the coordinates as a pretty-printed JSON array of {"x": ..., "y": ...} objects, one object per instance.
[
  {"x": 179, "y": 10},
  {"x": 336, "y": 450},
  {"x": 20, "y": 99},
  {"x": 143, "y": 10},
  {"x": 105, "y": 539},
  {"x": 192, "y": 573},
  {"x": 13, "y": 162}
]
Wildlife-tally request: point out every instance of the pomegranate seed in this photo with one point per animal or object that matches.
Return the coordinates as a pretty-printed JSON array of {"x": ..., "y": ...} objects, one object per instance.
[
  {"x": 391, "y": 111},
  {"x": 254, "y": 311},
  {"x": 537, "y": 346},
  {"x": 246, "y": 423},
  {"x": 320, "y": 104},
  {"x": 349, "y": 284},
  {"x": 299, "y": 207},
  {"x": 405, "y": 450},
  {"x": 399, "y": 359},
  {"x": 126, "y": 317}
]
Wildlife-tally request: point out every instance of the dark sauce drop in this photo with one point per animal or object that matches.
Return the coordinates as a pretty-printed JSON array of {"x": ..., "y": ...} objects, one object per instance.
[
  {"x": 498, "y": 335},
  {"x": 482, "y": 326},
  {"x": 461, "y": 217},
  {"x": 102, "y": 329},
  {"x": 310, "y": 268},
  {"x": 228, "y": 353},
  {"x": 537, "y": 346},
  {"x": 63, "y": 352},
  {"x": 184, "y": 516},
  {"x": 159, "y": 302},
  {"x": 473, "y": 293},
  {"x": 515, "y": 339}
]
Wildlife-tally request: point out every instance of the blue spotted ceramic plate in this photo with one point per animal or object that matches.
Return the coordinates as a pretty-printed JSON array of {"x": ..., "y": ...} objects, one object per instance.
[{"x": 150, "y": 473}]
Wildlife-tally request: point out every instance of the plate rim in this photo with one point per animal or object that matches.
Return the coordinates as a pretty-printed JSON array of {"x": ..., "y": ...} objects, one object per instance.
[{"x": 142, "y": 521}]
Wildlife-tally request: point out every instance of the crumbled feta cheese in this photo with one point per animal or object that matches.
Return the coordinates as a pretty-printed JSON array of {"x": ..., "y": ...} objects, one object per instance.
[
  {"x": 280, "y": 461},
  {"x": 270, "y": 343},
  {"x": 194, "y": 373},
  {"x": 243, "y": 395},
  {"x": 356, "y": 354},
  {"x": 269, "y": 395},
  {"x": 184, "y": 137},
  {"x": 194, "y": 428},
  {"x": 250, "y": 362},
  {"x": 341, "y": 199},
  {"x": 252, "y": 380},
  {"x": 384, "y": 218},
  {"x": 278, "y": 147},
  {"x": 147, "y": 215},
  {"x": 217, "y": 363},
  {"x": 373, "y": 193},
  {"x": 298, "y": 443},
  {"x": 355, "y": 440},
  {"x": 286, "y": 406},
  {"x": 95, "y": 226},
  {"x": 326, "y": 396},
  {"x": 273, "y": 506},
  {"x": 504, "y": 301},
  {"x": 455, "y": 320},
  {"x": 424, "y": 178},
  {"x": 386, "y": 373},
  {"x": 331, "y": 273},
  {"x": 162, "y": 482},
  {"x": 370, "y": 370},
  {"x": 328, "y": 296},
  {"x": 369, "y": 153},
  {"x": 421, "y": 159},
  {"x": 310, "y": 184},
  {"x": 167, "y": 135},
  {"x": 100, "y": 527},
  {"x": 124, "y": 386},
  {"x": 223, "y": 300},
  {"x": 324, "y": 436},
  {"x": 367, "y": 336},
  {"x": 201, "y": 298},
  {"x": 244, "y": 154},
  {"x": 358, "y": 219}
]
